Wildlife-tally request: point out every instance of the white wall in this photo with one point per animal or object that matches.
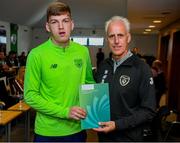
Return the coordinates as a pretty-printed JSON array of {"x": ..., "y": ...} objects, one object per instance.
[
  {"x": 147, "y": 44},
  {"x": 24, "y": 42},
  {"x": 39, "y": 35}
]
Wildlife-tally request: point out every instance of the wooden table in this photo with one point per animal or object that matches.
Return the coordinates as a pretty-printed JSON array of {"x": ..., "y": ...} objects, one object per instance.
[
  {"x": 21, "y": 106},
  {"x": 5, "y": 120}
]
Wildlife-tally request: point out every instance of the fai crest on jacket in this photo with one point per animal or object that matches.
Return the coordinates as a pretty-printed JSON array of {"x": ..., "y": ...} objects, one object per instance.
[
  {"x": 124, "y": 80},
  {"x": 78, "y": 62}
]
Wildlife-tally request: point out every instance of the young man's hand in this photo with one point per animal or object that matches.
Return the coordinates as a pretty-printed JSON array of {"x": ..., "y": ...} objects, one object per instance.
[{"x": 77, "y": 113}]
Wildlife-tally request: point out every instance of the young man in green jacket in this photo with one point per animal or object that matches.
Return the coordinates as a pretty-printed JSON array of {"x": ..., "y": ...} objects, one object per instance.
[{"x": 55, "y": 70}]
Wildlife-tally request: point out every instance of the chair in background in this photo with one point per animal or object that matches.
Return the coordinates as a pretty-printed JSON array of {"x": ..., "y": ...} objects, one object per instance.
[
  {"x": 5, "y": 97},
  {"x": 173, "y": 129},
  {"x": 15, "y": 87},
  {"x": 4, "y": 78},
  {"x": 12, "y": 89},
  {"x": 165, "y": 125},
  {"x": 20, "y": 76}
]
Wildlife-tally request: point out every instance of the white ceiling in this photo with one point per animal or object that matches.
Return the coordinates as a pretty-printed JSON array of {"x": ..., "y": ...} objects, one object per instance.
[{"x": 94, "y": 13}]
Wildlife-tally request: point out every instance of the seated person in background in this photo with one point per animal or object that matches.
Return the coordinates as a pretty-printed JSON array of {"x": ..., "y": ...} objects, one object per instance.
[
  {"x": 3, "y": 66},
  {"x": 159, "y": 80},
  {"x": 16, "y": 83},
  {"x": 12, "y": 59},
  {"x": 22, "y": 59}
]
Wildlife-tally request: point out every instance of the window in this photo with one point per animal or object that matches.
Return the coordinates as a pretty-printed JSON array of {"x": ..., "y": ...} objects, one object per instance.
[
  {"x": 3, "y": 40},
  {"x": 3, "y": 36},
  {"x": 80, "y": 40},
  {"x": 89, "y": 41},
  {"x": 96, "y": 41}
]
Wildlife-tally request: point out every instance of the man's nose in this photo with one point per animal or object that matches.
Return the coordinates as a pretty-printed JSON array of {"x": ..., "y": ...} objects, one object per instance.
[
  {"x": 60, "y": 25},
  {"x": 116, "y": 39}
]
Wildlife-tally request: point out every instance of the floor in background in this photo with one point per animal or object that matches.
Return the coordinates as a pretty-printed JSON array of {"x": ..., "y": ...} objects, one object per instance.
[{"x": 18, "y": 129}]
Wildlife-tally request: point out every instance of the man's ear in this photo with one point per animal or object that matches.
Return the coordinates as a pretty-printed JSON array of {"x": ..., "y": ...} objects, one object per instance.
[
  {"x": 72, "y": 27},
  {"x": 106, "y": 38},
  {"x": 47, "y": 27},
  {"x": 129, "y": 38}
]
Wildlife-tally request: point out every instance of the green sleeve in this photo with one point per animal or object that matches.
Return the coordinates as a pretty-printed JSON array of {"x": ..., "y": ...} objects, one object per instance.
[
  {"x": 89, "y": 74},
  {"x": 32, "y": 93}
]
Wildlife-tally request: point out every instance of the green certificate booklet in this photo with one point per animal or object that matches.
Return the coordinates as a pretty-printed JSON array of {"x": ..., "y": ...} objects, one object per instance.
[{"x": 94, "y": 98}]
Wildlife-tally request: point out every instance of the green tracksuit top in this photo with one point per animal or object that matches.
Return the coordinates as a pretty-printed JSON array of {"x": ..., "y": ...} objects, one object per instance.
[{"x": 52, "y": 79}]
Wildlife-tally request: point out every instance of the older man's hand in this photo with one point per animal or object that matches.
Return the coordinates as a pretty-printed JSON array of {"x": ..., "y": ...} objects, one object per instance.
[{"x": 106, "y": 127}]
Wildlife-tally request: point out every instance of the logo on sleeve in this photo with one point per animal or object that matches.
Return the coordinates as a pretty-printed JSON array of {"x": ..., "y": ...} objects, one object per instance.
[
  {"x": 124, "y": 80},
  {"x": 78, "y": 62},
  {"x": 151, "y": 81}
]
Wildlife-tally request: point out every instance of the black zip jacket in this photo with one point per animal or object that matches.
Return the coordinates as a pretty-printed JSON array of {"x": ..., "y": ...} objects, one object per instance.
[{"x": 132, "y": 98}]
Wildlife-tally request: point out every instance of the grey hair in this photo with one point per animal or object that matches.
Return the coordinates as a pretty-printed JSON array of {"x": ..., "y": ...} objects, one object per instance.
[{"x": 118, "y": 18}]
